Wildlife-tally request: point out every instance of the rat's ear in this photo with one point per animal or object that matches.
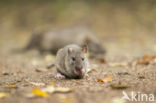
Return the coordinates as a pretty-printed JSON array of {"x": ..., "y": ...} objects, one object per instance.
[
  {"x": 70, "y": 50},
  {"x": 85, "y": 49}
]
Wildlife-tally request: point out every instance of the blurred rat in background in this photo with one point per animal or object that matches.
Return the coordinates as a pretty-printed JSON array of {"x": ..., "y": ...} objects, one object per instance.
[{"x": 53, "y": 40}]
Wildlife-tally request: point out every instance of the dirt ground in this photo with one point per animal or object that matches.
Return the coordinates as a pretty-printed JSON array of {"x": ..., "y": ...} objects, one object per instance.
[
  {"x": 20, "y": 69},
  {"x": 126, "y": 42}
]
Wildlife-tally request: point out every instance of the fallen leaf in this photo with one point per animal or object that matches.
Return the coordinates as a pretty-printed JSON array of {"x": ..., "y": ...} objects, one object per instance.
[
  {"x": 143, "y": 62},
  {"x": 118, "y": 64},
  {"x": 102, "y": 60},
  {"x": 35, "y": 62},
  {"x": 49, "y": 58},
  {"x": 49, "y": 89},
  {"x": 5, "y": 73},
  {"x": 52, "y": 89},
  {"x": 39, "y": 92},
  {"x": 37, "y": 84},
  {"x": 118, "y": 100},
  {"x": 108, "y": 78},
  {"x": 119, "y": 86},
  {"x": 90, "y": 70},
  {"x": 100, "y": 80},
  {"x": 11, "y": 86},
  {"x": 147, "y": 59},
  {"x": 3, "y": 94},
  {"x": 63, "y": 89}
]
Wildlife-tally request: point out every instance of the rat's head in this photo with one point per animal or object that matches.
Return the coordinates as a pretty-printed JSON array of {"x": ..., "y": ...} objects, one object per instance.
[{"x": 77, "y": 62}]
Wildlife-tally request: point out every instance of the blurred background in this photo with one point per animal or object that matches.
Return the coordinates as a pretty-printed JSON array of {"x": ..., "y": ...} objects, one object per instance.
[{"x": 124, "y": 26}]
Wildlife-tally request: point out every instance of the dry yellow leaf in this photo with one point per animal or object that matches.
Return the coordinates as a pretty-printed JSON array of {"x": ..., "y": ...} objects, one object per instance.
[
  {"x": 117, "y": 64},
  {"x": 49, "y": 89},
  {"x": 35, "y": 62},
  {"x": 108, "y": 78},
  {"x": 100, "y": 80},
  {"x": 63, "y": 89},
  {"x": 90, "y": 70},
  {"x": 11, "y": 86},
  {"x": 114, "y": 86},
  {"x": 49, "y": 58},
  {"x": 118, "y": 100},
  {"x": 39, "y": 92},
  {"x": 37, "y": 84},
  {"x": 102, "y": 60},
  {"x": 3, "y": 94},
  {"x": 147, "y": 59},
  {"x": 52, "y": 89}
]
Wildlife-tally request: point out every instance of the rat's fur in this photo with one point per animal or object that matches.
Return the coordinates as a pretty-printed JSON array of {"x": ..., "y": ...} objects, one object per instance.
[{"x": 65, "y": 64}]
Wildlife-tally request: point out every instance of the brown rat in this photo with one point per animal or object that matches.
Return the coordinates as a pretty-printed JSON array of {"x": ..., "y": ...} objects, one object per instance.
[
  {"x": 55, "y": 39},
  {"x": 71, "y": 62}
]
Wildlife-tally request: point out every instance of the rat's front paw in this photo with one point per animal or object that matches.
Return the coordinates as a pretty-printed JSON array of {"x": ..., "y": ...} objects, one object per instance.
[{"x": 59, "y": 76}]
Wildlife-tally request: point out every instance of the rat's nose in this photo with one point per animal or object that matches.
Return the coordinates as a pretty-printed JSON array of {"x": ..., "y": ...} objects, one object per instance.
[
  {"x": 79, "y": 70},
  {"x": 78, "y": 67}
]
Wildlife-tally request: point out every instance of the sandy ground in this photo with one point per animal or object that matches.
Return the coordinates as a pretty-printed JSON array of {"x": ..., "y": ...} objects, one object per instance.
[
  {"x": 127, "y": 31},
  {"x": 22, "y": 68}
]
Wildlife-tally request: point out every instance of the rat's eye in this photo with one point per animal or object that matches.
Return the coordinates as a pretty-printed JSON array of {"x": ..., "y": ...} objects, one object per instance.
[
  {"x": 73, "y": 58},
  {"x": 82, "y": 59}
]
